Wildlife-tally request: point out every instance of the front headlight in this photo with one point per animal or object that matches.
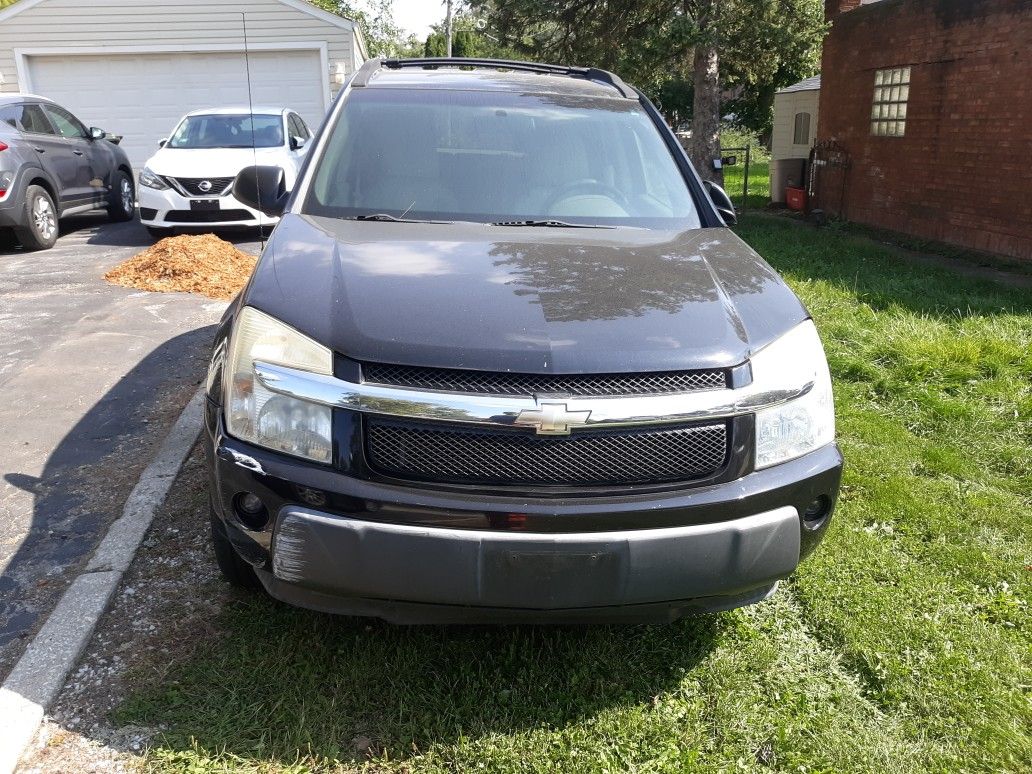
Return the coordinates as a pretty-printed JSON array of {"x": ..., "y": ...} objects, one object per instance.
[
  {"x": 261, "y": 417},
  {"x": 149, "y": 180},
  {"x": 799, "y": 426}
]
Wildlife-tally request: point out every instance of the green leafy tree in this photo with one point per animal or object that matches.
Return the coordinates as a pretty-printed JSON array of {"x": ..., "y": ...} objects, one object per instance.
[
  {"x": 376, "y": 18},
  {"x": 468, "y": 39},
  {"x": 686, "y": 54}
]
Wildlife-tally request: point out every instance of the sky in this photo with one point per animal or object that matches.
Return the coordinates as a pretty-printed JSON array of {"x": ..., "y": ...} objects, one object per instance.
[{"x": 416, "y": 16}]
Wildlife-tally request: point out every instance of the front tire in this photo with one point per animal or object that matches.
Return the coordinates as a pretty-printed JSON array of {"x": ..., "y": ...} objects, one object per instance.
[
  {"x": 234, "y": 569},
  {"x": 122, "y": 198},
  {"x": 40, "y": 229}
]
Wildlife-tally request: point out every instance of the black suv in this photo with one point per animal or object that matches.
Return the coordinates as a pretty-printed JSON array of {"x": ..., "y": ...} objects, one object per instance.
[
  {"x": 51, "y": 165},
  {"x": 502, "y": 360}
]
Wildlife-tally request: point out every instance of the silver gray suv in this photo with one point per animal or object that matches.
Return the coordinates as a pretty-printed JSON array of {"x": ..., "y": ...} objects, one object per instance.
[{"x": 51, "y": 165}]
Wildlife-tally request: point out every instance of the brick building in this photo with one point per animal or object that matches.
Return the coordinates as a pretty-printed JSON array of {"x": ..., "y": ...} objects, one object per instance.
[{"x": 929, "y": 104}]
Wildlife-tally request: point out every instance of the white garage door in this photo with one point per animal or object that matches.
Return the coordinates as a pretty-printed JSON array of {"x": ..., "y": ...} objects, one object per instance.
[{"x": 142, "y": 96}]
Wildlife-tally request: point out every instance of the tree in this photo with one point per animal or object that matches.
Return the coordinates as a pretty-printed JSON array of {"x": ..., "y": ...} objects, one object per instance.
[
  {"x": 681, "y": 48},
  {"x": 468, "y": 40},
  {"x": 376, "y": 18}
]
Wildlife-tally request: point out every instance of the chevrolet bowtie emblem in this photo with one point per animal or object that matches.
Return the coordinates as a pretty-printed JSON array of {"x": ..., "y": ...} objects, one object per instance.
[{"x": 551, "y": 419}]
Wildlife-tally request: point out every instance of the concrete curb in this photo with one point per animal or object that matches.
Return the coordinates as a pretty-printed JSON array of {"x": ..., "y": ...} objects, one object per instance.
[{"x": 40, "y": 673}]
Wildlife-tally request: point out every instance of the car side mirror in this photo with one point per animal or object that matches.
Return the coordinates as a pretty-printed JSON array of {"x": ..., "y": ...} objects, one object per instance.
[
  {"x": 162, "y": 141},
  {"x": 263, "y": 189},
  {"x": 296, "y": 143},
  {"x": 725, "y": 207},
  {"x": 97, "y": 134}
]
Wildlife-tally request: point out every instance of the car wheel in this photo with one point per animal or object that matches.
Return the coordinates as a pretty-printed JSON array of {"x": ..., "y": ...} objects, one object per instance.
[
  {"x": 40, "y": 229},
  {"x": 122, "y": 199},
  {"x": 233, "y": 568},
  {"x": 159, "y": 233}
]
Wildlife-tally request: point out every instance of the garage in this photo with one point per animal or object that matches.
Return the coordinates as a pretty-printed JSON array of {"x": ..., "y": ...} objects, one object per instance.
[
  {"x": 132, "y": 94},
  {"x": 264, "y": 52}
]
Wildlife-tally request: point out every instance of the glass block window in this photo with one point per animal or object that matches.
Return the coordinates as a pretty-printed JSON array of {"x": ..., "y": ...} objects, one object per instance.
[
  {"x": 889, "y": 111},
  {"x": 801, "y": 132}
]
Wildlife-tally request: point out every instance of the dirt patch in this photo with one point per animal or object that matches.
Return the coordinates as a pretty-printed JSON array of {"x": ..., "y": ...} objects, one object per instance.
[
  {"x": 200, "y": 263},
  {"x": 165, "y": 609}
]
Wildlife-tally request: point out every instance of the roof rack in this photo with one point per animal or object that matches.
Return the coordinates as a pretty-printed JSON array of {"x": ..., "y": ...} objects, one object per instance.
[{"x": 365, "y": 73}]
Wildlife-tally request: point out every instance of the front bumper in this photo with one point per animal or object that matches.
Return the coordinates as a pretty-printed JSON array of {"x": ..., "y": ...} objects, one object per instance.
[
  {"x": 341, "y": 544},
  {"x": 170, "y": 209}
]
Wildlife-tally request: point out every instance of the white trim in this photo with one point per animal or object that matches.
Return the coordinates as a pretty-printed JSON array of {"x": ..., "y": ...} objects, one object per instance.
[
  {"x": 21, "y": 55},
  {"x": 330, "y": 18},
  {"x": 297, "y": 5}
]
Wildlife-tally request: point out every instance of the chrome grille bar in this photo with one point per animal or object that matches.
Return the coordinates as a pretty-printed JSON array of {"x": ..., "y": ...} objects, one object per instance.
[{"x": 498, "y": 410}]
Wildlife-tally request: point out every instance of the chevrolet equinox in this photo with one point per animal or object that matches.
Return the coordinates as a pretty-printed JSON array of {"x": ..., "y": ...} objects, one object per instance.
[{"x": 502, "y": 360}]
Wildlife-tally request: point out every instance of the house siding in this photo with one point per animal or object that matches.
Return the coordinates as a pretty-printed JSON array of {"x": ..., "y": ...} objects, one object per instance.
[
  {"x": 960, "y": 173},
  {"x": 114, "y": 24}
]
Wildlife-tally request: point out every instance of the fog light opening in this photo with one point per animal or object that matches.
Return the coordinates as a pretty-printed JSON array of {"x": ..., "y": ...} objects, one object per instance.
[
  {"x": 816, "y": 512},
  {"x": 250, "y": 510}
]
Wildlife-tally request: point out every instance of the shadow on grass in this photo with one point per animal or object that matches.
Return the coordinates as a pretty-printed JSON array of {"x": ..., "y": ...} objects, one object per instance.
[
  {"x": 878, "y": 275},
  {"x": 281, "y": 682}
]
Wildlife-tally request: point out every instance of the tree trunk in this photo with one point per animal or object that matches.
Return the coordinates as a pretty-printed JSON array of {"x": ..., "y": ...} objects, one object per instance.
[{"x": 706, "y": 102}]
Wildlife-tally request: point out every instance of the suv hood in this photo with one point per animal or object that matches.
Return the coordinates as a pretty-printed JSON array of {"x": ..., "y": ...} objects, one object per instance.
[{"x": 534, "y": 300}]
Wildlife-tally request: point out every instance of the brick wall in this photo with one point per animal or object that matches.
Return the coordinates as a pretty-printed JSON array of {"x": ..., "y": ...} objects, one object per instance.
[{"x": 962, "y": 173}]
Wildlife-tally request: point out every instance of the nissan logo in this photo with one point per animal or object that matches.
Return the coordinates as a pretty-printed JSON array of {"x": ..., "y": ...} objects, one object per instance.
[{"x": 204, "y": 185}]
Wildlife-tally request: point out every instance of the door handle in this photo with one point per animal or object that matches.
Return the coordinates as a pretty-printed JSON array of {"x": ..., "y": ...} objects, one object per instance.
[
  {"x": 40, "y": 150},
  {"x": 77, "y": 153}
]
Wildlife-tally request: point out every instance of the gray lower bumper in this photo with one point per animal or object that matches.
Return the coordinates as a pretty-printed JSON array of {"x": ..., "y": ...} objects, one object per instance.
[{"x": 379, "y": 566}]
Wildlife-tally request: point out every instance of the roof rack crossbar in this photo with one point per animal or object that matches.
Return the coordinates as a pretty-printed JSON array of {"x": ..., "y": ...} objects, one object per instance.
[{"x": 589, "y": 73}]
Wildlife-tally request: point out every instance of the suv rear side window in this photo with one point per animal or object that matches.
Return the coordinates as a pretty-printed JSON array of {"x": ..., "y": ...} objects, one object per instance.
[
  {"x": 31, "y": 118},
  {"x": 494, "y": 156},
  {"x": 67, "y": 125}
]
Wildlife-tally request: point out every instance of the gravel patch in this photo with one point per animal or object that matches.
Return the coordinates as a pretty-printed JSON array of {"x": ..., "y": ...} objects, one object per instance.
[{"x": 165, "y": 609}]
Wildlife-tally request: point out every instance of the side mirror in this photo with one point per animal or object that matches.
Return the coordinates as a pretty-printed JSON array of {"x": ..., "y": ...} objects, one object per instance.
[
  {"x": 296, "y": 143},
  {"x": 722, "y": 202},
  {"x": 162, "y": 141},
  {"x": 263, "y": 189},
  {"x": 97, "y": 134}
]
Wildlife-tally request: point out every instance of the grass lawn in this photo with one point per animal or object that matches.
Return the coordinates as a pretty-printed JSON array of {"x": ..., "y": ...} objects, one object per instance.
[
  {"x": 759, "y": 179},
  {"x": 904, "y": 644}
]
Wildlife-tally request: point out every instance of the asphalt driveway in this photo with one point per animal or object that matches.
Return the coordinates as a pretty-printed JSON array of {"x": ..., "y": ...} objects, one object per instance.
[{"x": 91, "y": 377}]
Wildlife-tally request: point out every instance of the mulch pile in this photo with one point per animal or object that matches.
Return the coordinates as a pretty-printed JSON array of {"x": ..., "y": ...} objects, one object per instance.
[{"x": 201, "y": 264}]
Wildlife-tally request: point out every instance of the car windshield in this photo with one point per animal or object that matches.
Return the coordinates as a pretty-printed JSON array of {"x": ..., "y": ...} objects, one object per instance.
[
  {"x": 228, "y": 131},
  {"x": 499, "y": 157}
]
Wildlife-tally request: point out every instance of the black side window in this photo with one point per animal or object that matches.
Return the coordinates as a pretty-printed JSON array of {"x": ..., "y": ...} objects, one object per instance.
[
  {"x": 9, "y": 114},
  {"x": 67, "y": 124},
  {"x": 297, "y": 127},
  {"x": 34, "y": 120}
]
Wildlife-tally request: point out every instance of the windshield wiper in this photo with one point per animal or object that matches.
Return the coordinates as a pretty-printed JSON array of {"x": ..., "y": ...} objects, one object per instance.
[
  {"x": 393, "y": 218},
  {"x": 549, "y": 224}
]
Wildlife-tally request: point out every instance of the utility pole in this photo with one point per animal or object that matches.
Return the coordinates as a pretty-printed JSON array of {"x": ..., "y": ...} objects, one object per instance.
[{"x": 447, "y": 25}]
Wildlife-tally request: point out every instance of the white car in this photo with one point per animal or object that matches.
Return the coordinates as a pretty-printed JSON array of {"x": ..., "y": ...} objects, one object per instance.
[{"x": 189, "y": 181}]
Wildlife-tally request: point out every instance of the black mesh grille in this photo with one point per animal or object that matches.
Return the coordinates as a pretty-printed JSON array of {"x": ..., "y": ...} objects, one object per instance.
[
  {"x": 496, "y": 383},
  {"x": 207, "y": 216},
  {"x": 192, "y": 185},
  {"x": 592, "y": 457}
]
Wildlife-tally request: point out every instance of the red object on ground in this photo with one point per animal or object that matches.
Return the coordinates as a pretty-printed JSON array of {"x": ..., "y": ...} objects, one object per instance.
[{"x": 796, "y": 198}]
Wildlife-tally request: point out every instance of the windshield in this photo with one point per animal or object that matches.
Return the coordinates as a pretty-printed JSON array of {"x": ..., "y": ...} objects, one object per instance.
[
  {"x": 228, "y": 131},
  {"x": 497, "y": 157}
]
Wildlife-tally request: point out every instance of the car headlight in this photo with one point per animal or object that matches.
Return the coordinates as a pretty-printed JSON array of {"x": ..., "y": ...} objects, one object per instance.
[
  {"x": 799, "y": 426},
  {"x": 261, "y": 417},
  {"x": 150, "y": 180}
]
